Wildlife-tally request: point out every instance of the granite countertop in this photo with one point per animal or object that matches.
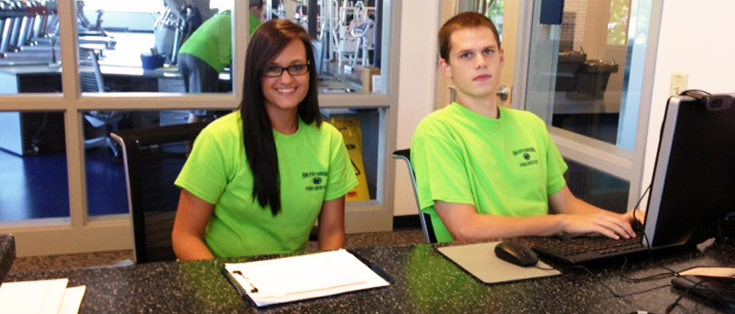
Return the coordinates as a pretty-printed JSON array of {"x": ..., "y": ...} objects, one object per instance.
[
  {"x": 425, "y": 282},
  {"x": 7, "y": 254}
]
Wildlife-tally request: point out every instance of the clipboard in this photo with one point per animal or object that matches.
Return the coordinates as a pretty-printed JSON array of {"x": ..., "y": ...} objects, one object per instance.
[{"x": 296, "y": 278}]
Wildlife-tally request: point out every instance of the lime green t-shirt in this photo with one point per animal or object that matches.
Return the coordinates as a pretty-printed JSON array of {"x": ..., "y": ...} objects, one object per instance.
[
  {"x": 314, "y": 167},
  {"x": 212, "y": 41},
  {"x": 505, "y": 167},
  {"x": 255, "y": 22}
]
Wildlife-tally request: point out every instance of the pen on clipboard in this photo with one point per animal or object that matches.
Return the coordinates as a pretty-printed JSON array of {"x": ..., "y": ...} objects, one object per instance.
[{"x": 254, "y": 289}]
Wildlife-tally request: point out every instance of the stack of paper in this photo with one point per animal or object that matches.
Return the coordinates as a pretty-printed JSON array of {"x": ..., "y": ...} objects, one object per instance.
[
  {"x": 40, "y": 296},
  {"x": 302, "y": 277}
]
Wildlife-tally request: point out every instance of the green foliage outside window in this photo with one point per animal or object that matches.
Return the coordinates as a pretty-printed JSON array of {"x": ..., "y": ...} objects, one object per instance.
[
  {"x": 617, "y": 28},
  {"x": 495, "y": 13}
]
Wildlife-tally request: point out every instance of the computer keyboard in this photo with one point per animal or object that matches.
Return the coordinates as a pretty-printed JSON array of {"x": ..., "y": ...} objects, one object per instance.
[{"x": 588, "y": 248}]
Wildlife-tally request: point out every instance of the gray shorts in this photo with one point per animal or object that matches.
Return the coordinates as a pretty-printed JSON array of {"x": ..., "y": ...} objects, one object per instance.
[{"x": 199, "y": 77}]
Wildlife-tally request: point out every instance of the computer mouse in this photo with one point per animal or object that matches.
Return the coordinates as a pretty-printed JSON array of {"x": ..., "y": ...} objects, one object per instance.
[{"x": 515, "y": 253}]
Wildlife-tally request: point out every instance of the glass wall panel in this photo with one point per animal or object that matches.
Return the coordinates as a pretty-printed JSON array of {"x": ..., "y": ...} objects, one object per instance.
[
  {"x": 143, "y": 45},
  {"x": 104, "y": 168},
  {"x": 33, "y": 171},
  {"x": 361, "y": 130},
  {"x": 347, "y": 39},
  {"x": 597, "y": 188},
  {"x": 586, "y": 69},
  {"x": 29, "y": 47},
  {"x": 105, "y": 172},
  {"x": 106, "y": 181}
]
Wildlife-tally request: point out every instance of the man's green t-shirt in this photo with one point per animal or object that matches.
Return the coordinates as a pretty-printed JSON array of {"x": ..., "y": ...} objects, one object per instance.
[
  {"x": 314, "y": 168},
  {"x": 505, "y": 167},
  {"x": 212, "y": 41}
]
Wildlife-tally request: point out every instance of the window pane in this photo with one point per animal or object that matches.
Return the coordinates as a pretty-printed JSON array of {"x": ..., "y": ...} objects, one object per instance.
[
  {"x": 29, "y": 44},
  {"x": 597, "y": 188},
  {"x": 348, "y": 36},
  {"x": 30, "y": 47},
  {"x": 360, "y": 129},
  {"x": 107, "y": 190},
  {"x": 586, "y": 73},
  {"x": 105, "y": 172},
  {"x": 155, "y": 47},
  {"x": 33, "y": 171}
]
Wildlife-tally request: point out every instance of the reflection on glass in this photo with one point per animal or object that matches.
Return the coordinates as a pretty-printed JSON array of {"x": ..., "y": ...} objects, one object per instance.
[
  {"x": 347, "y": 41},
  {"x": 597, "y": 188},
  {"x": 582, "y": 69},
  {"x": 360, "y": 129},
  {"x": 33, "y": 171}
]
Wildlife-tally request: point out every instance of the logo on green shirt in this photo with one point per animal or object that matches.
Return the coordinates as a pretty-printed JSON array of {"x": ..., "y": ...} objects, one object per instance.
[
  {"x": 317, "y": 178},
  {"x": 526, "y": 155}
]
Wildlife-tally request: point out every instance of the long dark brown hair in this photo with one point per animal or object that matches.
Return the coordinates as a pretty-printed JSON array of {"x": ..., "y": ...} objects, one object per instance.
[{"x": 260, "y": 146}]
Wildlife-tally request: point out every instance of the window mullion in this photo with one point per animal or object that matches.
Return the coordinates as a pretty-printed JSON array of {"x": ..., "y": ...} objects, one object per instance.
[
  {"x": 240, "y": 39},
  {"x": 72, "y": 117},
  {"x": 69, "y": 41}
]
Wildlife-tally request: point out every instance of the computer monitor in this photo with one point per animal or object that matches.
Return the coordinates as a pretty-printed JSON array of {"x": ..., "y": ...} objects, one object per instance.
[{"x": 693, "y": 186}]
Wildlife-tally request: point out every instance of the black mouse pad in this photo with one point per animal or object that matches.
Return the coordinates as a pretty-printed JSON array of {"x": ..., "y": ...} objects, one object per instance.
[{"x": 480, "y": 261}]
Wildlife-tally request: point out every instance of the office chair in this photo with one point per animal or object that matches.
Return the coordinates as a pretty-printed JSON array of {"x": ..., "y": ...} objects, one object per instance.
[
  {"x": 405, "y": 155},
  {"x": 104, "y": 121},
  {"x": 153, "y": 158}
]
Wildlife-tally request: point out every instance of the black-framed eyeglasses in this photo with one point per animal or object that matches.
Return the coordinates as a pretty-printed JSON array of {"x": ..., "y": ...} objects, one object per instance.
[{"x": 294, "y": 69}]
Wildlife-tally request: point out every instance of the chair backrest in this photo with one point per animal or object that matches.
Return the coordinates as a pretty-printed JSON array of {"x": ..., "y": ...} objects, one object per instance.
[
  {"x": 153, "y": 158},
  {"x": 90, "y": 74},
  {"x": 405, "y": 155}
]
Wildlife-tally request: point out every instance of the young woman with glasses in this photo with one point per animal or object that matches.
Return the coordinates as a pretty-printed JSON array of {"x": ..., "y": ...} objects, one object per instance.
[{"x": 258, "y": 179}]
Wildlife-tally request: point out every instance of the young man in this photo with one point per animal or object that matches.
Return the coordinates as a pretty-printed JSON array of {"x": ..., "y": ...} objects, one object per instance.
[{"x": 486, "y": 172}]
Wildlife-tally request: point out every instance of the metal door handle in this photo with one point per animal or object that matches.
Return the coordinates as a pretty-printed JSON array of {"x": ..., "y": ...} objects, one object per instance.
[{"x": 503, "y": 93}]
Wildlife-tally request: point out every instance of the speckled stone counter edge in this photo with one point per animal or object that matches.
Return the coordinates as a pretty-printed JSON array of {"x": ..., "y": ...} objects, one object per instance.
[{"x": 7, "y": 254}]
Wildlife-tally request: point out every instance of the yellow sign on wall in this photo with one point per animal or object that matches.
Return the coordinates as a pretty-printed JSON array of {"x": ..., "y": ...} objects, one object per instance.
[{"x": 352, "y": 134}]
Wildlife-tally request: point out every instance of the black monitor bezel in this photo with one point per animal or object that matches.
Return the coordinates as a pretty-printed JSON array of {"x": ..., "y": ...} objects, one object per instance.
[{"x": 693, "y": 184}]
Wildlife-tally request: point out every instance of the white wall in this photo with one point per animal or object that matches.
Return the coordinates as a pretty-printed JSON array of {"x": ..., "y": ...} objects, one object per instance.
[
  {"x": 694, "y": 39},
  {"x": 419, "y": 25}
]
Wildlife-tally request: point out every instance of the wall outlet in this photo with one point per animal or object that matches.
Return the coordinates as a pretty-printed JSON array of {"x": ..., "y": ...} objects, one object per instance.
[{"x": 678, "y": 83}]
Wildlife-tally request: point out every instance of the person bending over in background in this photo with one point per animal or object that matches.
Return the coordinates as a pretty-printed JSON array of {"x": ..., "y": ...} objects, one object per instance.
[
  {"x": 208, "y": 51},
  {"x": 486, "y": 172},
  {"x": 258, "y": 179}
]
